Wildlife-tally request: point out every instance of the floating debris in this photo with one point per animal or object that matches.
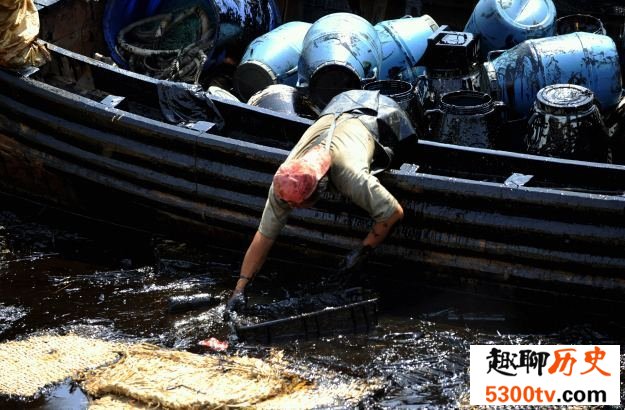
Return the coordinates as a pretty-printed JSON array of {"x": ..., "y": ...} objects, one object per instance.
[
  {"x": 177, "y": 380},
  {"x": 185, "y": 303},
  {"x": 136, "y": 375},
  {"x": 9, "y": 315},
  {"x": 215, "y": 344},
  {"x": 359, "y": 317}
]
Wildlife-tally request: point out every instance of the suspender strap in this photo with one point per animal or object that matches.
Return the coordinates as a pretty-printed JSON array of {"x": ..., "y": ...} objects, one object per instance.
[{"x": 332, "y": 128}]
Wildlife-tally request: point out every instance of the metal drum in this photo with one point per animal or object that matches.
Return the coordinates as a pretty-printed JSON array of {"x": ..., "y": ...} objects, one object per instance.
[
  {"x": 285, "y": 99},
  {"x": 403, "y": 42},
  {"x": 271, "y": 59},
  {"x": 468, "y": 118},
  {"x": 574, "y": 23},
  {"x": 566, "y": 123},
  {"x": 340, "y": 51},
  {"x": 586, "y": 59},
  {"x": 502, "y": 24}
]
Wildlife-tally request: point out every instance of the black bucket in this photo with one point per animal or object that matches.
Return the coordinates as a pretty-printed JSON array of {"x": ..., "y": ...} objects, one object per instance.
[
  {"x": 574, "y": 23},
  {"x": 400, "y": 91},
  {"x": 565, "y": 122},
  {"x": 468, "y": 118}
]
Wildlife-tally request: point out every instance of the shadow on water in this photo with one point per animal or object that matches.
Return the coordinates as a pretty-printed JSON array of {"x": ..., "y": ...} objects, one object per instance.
[{"x": 116, "y": 286}]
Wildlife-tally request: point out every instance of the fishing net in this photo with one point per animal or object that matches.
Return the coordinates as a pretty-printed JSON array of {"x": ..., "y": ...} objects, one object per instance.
[
  {"x": 172, "y": 46},
  {"x": 32, "y": 364}
]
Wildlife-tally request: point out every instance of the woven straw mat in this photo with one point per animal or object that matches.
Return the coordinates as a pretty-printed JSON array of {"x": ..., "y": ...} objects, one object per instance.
[
  {"x": 27, "y": 366},
  {"x": 182, "y": 380}
]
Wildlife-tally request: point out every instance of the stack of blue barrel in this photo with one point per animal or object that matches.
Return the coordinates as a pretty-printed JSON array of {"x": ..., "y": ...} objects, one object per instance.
[
  {"x": 515, "y": 65},
  {"x": 340, "y": 51},
  {"x": 556, "y": 76}
]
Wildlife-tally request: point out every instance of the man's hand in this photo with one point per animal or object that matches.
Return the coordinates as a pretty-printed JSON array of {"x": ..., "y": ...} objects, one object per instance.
[
  {"x": 355, "y": 260},
  {"x": 252, "y": 262},
  {"x": 236, "y": 303},
  {"x": 350, "y": 268}
]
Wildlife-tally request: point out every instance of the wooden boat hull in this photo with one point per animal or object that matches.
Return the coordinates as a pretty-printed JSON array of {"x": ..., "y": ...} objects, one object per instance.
[{"x": 466, "y": 213}]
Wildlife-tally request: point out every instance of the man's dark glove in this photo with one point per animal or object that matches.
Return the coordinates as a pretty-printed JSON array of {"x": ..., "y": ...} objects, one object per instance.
[
  {"x": 356, "y": 259},
  {"x": 237, "y": 303},
  {"x": 350, "y": 268}
]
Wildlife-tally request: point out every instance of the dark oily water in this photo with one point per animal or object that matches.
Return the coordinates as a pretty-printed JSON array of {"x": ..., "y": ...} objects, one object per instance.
[{"x": 117, "y": 287}]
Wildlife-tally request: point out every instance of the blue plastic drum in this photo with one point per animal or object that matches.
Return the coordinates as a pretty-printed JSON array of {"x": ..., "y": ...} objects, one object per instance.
[
  {"x": 341, "y": 50},
  {"x": 271, "y": 59},
  {"x": 404, "y": 42},
  {"x": 589, "y": 60},
  {"x": 502, "y": 24}
]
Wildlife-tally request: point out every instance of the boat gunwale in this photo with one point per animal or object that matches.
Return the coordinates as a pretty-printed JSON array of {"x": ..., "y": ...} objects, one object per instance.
[
  {"x": 307, "y": 122},
  {"x": 409, "y": 181},
  {"x": 412, "y": 182}
]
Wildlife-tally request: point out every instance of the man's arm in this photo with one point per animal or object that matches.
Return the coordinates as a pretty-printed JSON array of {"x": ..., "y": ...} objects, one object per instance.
[
  {"x": 353, "y": 261},
  {"x": 381, "y": 229},
  {"x": 254, "y": 259},
  {"x": 273, "y": 219}
]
